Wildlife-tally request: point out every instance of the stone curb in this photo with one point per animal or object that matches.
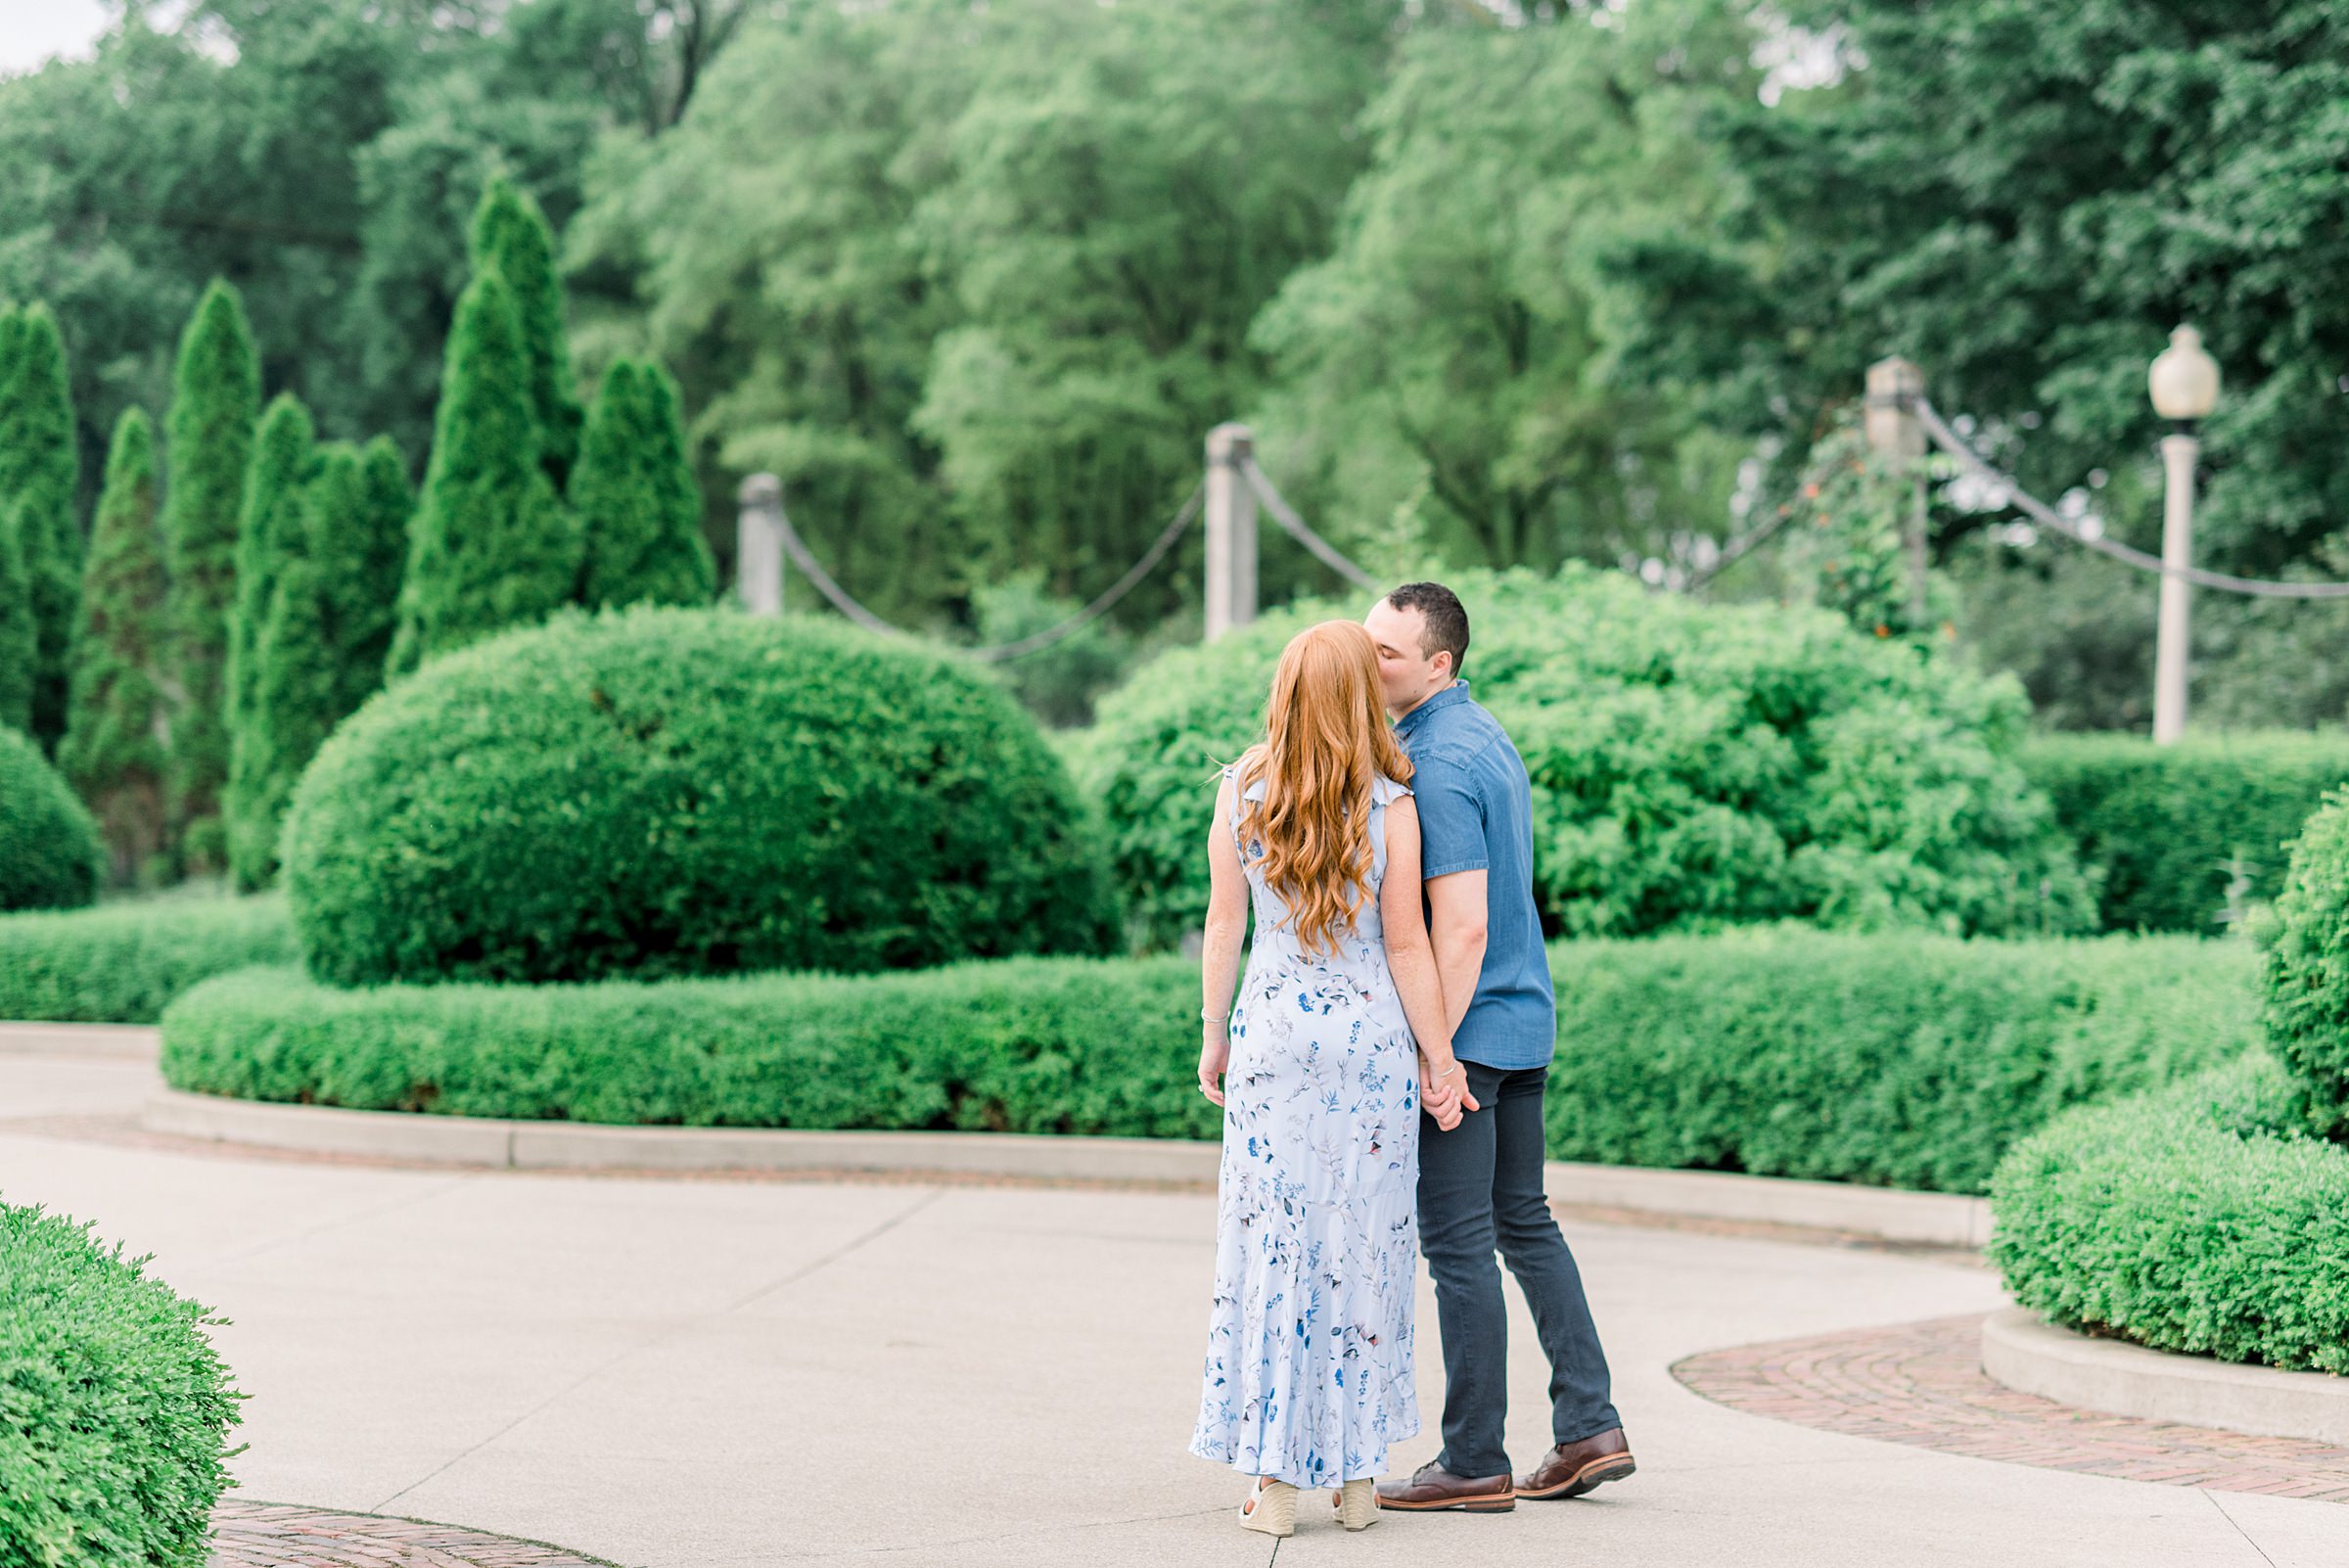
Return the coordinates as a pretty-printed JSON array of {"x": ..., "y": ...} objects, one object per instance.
[
  {"x": 1927, "y": 1218},
  {"x": 2034, "y": 1356},
  {"x": 131, "y": 1042}
]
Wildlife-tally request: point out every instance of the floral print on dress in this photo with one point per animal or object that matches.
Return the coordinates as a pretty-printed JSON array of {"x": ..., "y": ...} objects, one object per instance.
[{"x": 1309, "y": 1359}]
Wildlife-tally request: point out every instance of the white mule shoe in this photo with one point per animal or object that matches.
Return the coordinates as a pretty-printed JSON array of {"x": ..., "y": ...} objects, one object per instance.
[
  {"x": 1270, "y": 1508},
  {"x": 1358, "y": 1505}
]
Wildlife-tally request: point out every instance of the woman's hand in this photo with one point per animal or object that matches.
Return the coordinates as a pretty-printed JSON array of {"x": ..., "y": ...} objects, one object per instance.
[
  {"x": 1214, "y": 1054},
  {"x": 1443, "y": 1090}
]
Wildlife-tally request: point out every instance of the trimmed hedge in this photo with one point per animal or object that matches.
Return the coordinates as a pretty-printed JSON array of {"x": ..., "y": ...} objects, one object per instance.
[
  {"x": 1016, "y": 1046},
  {"x": 2307, "y": 970},
  {"x": 51, "y": 856},
  {"x": 115, "y": 1408},
  {"x": 1694, "y": 767},
  {"x": 1905, "y": 1061},
  {"x": 2162, "y": 823},
  {"x": 2196, "y": 1220},
  {"x": 122, "y": 963},
  {"x": 1885, "y": 1060},
  {"x": 659, "y": 792}
]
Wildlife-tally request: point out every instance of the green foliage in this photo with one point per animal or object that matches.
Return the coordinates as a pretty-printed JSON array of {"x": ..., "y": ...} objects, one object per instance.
[
  {"x": 122, "y": 963},
  {"x": 1455, "y": 357},
  {"x": 634, "y": 492},
  {"x": 272, "y": 533},
  {"x": 491, "y": 546},
  {"x": 1017, "y": 1045},
  {"x": 2308, "y": 966},
  {"x": 2171, "y": 828},
  {"x": 115, "y": 1440},
  {"x": 510, "y": 238},
  {"x": 39, "y": 469},
  {"x": 663, "y": 792},
  {"x": 1692, "y": 767},
  {"x": 358, "y": 513},
  {"x": 2197, "y": 1220},
  {"x": 20, "y": 630},
  {"x": 1058, "y": 683},
  {"x": 208, "y": 434},
  {"x": 1847, "y": 544},
  {"x": 50, "y": 854},
  {"x": 1905, "y": 1060},
  {"x": 112, "y": 752}
]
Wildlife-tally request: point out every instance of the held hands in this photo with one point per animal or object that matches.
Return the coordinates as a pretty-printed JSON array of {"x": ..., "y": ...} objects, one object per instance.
[
  {"x": 1214, "y": 1054},
  {"x": 1443, "y": 1090}
]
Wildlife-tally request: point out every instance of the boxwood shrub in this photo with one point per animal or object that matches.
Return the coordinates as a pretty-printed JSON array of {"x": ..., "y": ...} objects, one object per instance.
[
  {"x": 2168, "y": 826},
  {"x": 2307, "y": 969},
  {"x": 2199, "y": 1219},
  {"x": 115, "y": 1408},
  {"x": 121, "y": 963},
  {"x": 1907, "y": 1061},
  {"x": 667, "y": 791},
  {"x": 1694, "y": 767},
  {"x": 51, "y": 856},
  {"x": 1881, "y": 1060}
]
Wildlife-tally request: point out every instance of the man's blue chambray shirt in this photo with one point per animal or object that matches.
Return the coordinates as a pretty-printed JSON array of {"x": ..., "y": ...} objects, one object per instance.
[{"x": 1476, "y": 813}]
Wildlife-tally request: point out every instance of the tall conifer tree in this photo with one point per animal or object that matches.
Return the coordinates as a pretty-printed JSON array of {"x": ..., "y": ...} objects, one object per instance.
[
  {"x": 215, "y": 405},
  {"x": 361, "y": 529},
  {"x": 20, "y": 631},
  {"x": 296, "y": 679},
  {"x": 491, "y": 546},
  {"x": 40, "y": 468},
  {"x": 113, "y": 751},
  {"x": 639, "y": 508},
  {"x": 272, "y": 530},
  {"x": 511, "y": 236}
]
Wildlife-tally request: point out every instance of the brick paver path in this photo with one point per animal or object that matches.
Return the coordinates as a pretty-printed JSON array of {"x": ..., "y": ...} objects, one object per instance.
[
  {"x": 1923, "y": 1384},
  {"x": 275, "y": 1535}
]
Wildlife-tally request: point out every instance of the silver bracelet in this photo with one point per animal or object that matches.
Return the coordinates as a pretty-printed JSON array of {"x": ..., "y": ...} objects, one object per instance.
[{"x": 1214, "y": 1018}]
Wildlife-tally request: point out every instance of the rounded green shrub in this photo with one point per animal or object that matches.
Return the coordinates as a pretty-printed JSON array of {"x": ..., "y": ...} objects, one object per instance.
[
  {"x": 2307, "y": 970},
  {"x": 115, "y": 1408},
  {"x": 51, "y": 856},
  {"x": 1694, "y": 767},
  {"x": 663, "y": 792},
  {"x": 122, "y": 963}
]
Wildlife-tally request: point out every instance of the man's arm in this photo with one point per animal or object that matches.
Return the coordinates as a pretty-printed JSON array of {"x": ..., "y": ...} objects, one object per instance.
[{"x": 1455, "y": 924}]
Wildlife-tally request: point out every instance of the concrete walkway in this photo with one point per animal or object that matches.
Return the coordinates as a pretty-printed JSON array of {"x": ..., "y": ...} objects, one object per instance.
[{"x": 694, "y": 1374}]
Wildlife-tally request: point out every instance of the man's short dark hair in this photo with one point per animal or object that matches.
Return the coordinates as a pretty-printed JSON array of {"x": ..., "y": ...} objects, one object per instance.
[{"x": 1446, "y": 618}]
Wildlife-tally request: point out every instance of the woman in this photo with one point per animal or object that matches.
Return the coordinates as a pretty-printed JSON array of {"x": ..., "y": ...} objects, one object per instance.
[{"x": 1309, "y": 1363}]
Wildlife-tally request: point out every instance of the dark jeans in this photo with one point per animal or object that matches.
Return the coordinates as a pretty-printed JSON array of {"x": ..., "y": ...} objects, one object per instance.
[{"x": 1479, "y": 1188}]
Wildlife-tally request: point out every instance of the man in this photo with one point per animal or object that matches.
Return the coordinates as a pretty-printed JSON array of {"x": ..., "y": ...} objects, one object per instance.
[{"x": 1480, "y": 1184}]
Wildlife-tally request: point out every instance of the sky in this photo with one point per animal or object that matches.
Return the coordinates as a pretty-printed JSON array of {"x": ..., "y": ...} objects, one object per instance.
[{"x": 34, "y": 30}]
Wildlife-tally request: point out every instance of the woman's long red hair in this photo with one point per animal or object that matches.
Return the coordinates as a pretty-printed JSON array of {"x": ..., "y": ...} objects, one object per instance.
[{"x": 1325, "y": 736}]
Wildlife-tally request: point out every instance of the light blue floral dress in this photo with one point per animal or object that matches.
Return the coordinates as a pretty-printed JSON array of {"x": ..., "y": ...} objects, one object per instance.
[{"x": 1309, "y": 1353}]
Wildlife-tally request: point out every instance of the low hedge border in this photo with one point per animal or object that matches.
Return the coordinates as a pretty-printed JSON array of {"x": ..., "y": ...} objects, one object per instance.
[
  {"x": 122, "y": 963},
  {"x": 1890, "y": 1061},
  {"x": 2161, "y": 824},
  {"x": 2199, "y": 1219},
  {"x": 115, "y": 1408}
]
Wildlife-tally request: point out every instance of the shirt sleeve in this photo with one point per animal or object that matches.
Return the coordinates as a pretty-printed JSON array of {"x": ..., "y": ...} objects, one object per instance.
[{"x": 1452, "y": 822}]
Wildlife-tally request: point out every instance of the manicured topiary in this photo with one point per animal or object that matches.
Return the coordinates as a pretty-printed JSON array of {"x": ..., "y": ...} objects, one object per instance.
[
  {"x": 112, "y": 753},
  {"x": 2189, "y": 836},
  {"x": 215, "y": 407},
  {"x": 511, "y": 238},
  {"x": 2307, "y": 971},
  {"x": 667, "y": 791},
  {"x": 272, "y": 533},
  {"x": 121, "y": 963},
  {"x": 39, "y": 467},
  {"x": 493, "y": 545},
  {"x": 50, "y": 854},
  {"x": 115, "y": 1408},
  {"x": 1693, "y": 767},
  {"x": 633, "y": 490}
]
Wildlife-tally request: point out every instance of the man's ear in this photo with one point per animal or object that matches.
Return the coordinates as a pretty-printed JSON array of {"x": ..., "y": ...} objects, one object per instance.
[{"x": 1444, "y": 671}]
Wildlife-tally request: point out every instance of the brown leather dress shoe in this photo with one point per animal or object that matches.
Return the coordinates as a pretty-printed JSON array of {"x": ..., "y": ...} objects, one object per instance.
[
  {"x": 1574, "y": 1468},
  {"x": 1432, "y": 1488}
]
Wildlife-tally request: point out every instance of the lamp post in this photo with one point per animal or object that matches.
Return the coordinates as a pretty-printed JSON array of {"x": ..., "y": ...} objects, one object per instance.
[{"x": 2185, "y": 385}]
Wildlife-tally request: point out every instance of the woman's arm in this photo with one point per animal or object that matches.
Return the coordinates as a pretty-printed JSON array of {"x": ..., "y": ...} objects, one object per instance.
[
  {"x": 1413, "y": 963},
  {"x": 1219, "y": 944}
]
